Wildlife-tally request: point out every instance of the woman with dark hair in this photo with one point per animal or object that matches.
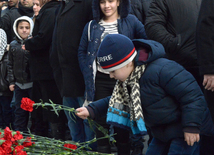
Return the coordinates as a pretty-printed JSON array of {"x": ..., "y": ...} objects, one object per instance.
[
  {"x": 44, "y": 86},
  {"x": 36, "y": 9}
]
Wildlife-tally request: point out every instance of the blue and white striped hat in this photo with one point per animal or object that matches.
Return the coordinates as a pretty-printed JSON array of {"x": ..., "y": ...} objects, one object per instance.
[{"x": 115, "y": 52}]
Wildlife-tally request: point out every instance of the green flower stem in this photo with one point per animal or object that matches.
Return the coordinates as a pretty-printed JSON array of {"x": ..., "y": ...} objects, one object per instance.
[
  {"x": 58, "y": 107},
  {"x": 45, "y": 145}
]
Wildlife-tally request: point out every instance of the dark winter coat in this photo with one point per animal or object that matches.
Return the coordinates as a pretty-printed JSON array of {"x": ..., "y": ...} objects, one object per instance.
[
  {"x": 71, "y": 19},
  {"x": 139, "y": 8},
  {"x": 128, "y": 25},
  {"x": 173, "y": 24},
  {"x": 18, "y": 65},
  {"x": 6, "y": 22},
  {"x": 4, "y": 80},
  {"x": 171, "y": 99},
  {"x": 204, "y": 38},
  {"x": 40, "y": 44}
]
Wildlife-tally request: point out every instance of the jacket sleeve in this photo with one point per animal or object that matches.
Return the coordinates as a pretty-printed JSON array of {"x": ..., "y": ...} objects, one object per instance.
[
  {"x": 82, "y": 51},
  {"x": 180, "y": 84},
  {"x": 140, "y": 32},
  {"x": 139, "y": 8},
  {"x": 44, "y": 36},
  {"x": 156, "y": 22},
  {"x": 10, "y": 67},
  {"x": 100, "y": 107},
  {"x": 5, "y": 21},
  {"x": 205, "y": 36},
  {"x": 54, "y": 61}
]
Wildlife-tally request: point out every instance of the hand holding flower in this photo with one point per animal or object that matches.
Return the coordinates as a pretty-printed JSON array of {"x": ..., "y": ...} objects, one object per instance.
[{"x": 82, "y": 112}]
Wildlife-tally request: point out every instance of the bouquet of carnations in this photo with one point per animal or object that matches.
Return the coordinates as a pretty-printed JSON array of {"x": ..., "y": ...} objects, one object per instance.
[
  {"x": 12, "y": 142},
  {"x": 17, "y": 143}
]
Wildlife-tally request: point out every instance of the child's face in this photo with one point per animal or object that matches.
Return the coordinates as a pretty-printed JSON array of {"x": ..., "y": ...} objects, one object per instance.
[
  {"x": 123, "y": 73},
  {"x": 109, "y": 8},
  {"x": 23, "y": 29}
]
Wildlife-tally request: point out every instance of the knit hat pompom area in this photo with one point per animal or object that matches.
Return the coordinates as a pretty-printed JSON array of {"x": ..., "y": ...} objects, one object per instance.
[{"x": 115, "y": 52}]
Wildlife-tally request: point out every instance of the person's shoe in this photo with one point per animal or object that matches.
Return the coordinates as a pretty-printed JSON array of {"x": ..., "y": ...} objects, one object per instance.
[{"x": 137, "y": 151}]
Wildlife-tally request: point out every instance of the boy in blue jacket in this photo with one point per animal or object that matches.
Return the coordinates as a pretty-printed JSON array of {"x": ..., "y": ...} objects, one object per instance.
[{"x": 154, "y": 90}]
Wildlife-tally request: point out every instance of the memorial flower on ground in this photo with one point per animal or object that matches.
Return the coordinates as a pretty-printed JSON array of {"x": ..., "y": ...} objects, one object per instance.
[
  {"x": 43, "y": 145},
  {"x": 11, "y": 142}
]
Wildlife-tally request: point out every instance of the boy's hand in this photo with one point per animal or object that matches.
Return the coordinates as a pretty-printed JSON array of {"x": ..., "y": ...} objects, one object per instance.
[
  {"x": 82, "y": 112},
  {"x": 23, "y": 47},
  {"x": 208, "y": 82},
  {"x": 191, "y": 138},
  {"x": 11, "y": 87}
]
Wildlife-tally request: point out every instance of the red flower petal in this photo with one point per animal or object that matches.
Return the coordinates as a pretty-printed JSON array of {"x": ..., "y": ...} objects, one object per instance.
[{"x": 27, "y": 104}]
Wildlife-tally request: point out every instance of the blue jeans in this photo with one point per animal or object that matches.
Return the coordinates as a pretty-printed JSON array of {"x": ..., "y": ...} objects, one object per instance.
[
  {"x": 79, "y": 129},
  {"x": 5, "y": 111},
  {"x": 176, "y": 146},
  {"x": 21, "y": 116}
]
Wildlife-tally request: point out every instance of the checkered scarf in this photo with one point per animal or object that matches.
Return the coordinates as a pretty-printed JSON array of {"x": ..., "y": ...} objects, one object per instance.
[
  {"x": 3, "y": 43},
  {"x": 125, "y": 107}
]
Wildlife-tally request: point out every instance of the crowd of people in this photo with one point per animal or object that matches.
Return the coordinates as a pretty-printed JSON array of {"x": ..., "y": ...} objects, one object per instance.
[{"x": 134, "y": 66}]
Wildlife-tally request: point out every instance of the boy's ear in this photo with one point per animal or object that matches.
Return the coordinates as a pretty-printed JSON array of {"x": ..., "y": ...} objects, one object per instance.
[{"x": 130, "y": 64}]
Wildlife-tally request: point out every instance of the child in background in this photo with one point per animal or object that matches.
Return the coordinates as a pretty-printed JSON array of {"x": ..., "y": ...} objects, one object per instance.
[
  {"x": 18, "y": 70},
  {"x": 153, "y": 89},
  {"x": 5, "y": 94}
]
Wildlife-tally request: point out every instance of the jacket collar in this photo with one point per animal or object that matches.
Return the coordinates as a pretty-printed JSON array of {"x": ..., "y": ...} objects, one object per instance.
[
  {"x": 155, "y": 51},
  {"x": 48, "y": 5},
  {"x": 69, "y": 5},
  {"x": 25, "y": 11}
]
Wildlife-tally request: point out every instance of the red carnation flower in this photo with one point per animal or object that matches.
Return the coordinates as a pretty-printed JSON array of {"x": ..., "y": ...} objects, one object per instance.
[
  {"x": 28, "y": 142},
  {"x": 18, "y": 136},
  {"x": 22, "y": 153},
  {"x": 7, "y": 134},
  {"x": 2, "y": 151},
  {"x": 70, "y": 146},
  {"x": 18, "y": 149},
  {"x": 27, "y": 104},
  {"x": 7, "y": 146}
]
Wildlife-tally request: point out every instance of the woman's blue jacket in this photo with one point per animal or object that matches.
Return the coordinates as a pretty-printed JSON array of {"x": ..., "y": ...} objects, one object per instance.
[{"x": 129, "y": 26}]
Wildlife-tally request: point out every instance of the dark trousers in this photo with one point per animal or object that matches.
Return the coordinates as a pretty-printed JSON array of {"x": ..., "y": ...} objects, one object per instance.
[
  {"x": 21, "y": 116},
  {"x": 5, "y": 111},
  {"x": 176, "y": 146},
  {"x": 46, "y": 90},
  {"x": 104, "y": 86},
  {"x": 208, "y": 141}
]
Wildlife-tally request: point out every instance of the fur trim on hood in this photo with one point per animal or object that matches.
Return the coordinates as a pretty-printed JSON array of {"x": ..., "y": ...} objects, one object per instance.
[
  {"x": 124, "y": 9},
  {"x": 23, "y": 18}
]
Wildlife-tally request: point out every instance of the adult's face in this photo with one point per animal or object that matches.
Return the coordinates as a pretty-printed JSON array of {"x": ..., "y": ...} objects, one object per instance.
[
  {"x": 27, "y": 3},
  {"x": 36, "y": 7},
  {"x": 13, "y": 3}
]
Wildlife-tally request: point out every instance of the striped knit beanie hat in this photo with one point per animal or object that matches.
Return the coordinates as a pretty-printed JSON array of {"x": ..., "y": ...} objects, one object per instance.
[{"x": 115, "y": 52}]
